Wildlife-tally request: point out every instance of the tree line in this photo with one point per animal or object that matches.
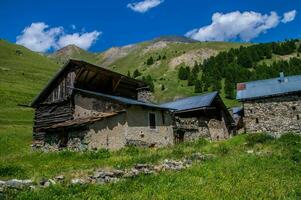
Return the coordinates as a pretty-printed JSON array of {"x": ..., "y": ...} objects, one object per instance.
[{"x": 240, "y": 65}]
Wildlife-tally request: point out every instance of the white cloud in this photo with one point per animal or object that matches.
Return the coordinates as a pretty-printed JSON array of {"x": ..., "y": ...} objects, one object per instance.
[
  {"x": 233, "y": 25},
  {"x": 144, "y": 6},
  {"x": 83, "y": 41},
  {"x": 289, "y": 16},
  {"x": 40, "y": 37},
  {"x": 73, "y": 26}
]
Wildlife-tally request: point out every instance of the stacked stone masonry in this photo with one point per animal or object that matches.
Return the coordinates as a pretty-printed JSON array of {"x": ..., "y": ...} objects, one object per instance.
[{"x": 273, "y": 115}]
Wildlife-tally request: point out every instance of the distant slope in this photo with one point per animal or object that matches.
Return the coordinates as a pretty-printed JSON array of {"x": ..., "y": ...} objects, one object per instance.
[
  {"x": 72, "y": 51},
  {"x": 168, "y": 52},
  {"x": 23, "y": 73}
]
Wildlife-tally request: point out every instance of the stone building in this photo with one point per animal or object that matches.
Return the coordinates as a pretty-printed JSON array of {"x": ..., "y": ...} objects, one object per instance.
[
  {"x": 272, "y": 105},
  {"x": 201, "y": 116},
  {"x": 88, "y": 107}
]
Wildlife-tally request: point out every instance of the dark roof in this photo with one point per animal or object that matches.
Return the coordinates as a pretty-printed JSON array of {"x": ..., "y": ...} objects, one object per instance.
[
  {"x": 190, "y": 103},
  {"x": 79, "y": 63},
  {"x": 123, "y": 100},
  {"x": 236, "y": 110},
  {"x": 269, "y": 87}
]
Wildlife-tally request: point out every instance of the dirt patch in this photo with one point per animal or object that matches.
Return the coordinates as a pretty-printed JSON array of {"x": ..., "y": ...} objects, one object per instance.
[{"x": 190, "y": 57}]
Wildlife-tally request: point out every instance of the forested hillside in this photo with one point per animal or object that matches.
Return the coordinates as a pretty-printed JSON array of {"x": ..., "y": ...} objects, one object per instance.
[{"x": 177, "y": 67}]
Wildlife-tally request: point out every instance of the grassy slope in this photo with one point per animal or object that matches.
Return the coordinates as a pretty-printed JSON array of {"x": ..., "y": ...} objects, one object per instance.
[
  {"x": 162, "y": 73},
  {"x": 22, "y": 76},
  {"x": 271, "y": 172}
]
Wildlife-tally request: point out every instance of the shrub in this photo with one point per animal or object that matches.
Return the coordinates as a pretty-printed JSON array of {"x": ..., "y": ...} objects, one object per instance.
[
  {"x": 100, "y": 154},
  {"x": 256, "y": 138},
  {"x": 11, "y": 170}
]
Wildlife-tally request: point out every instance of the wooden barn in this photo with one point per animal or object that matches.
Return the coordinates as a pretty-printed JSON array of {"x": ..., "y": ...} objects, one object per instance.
[{"x": 88, "y": 107}]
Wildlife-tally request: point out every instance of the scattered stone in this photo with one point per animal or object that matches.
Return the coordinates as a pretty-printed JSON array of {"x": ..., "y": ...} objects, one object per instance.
[
  {"x": 2, "y": 183},
  {"x": 18, "y": 184},
  {"x": 59, "y": 178},
  {"x": 77, "y": 181},
  {"x": 250, "y": 151},
  {"x": 102, "y": 176}
]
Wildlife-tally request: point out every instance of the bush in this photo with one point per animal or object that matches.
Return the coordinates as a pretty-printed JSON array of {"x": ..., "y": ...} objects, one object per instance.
[
  {"x": 11, "y": 170},
  {"x": 100, "y": 154},
  {"x": 256, "y": 138}
]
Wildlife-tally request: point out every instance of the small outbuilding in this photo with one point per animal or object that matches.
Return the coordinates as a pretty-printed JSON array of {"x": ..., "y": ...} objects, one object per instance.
[
  {"x": 271, "y": 105},
  {"x": 201, "y": 116}
]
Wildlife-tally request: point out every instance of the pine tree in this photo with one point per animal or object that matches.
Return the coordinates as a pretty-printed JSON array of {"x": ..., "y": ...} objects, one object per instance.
[
  {"x": 216, "y": 85},
  {"x": 229, "y": 89},
  {"x": 136, "y": 73},
  {"x": 198, "y": 87},
  {"x": 183, "y": 74},
  {"x": 150, "y": 61}
]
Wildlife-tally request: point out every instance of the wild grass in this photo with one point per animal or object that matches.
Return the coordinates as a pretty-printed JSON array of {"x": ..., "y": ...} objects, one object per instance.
[{"x": 269, "y": 173}]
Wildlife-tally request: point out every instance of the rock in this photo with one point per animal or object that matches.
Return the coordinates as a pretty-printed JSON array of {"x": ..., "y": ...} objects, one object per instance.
[
  {"x": 140, "y": 166},
  {"x": 59, "y": 178},
  {"x": 18, "y": 184},
  {"x": 77, "y": 181},
  {"x": 52, "y": 182},
  {"x": 118, "y": 173},
  {"x": 158, "y": 168},
  {"x": 2, "y": 183},
  {"x": 250, "y": 151}
]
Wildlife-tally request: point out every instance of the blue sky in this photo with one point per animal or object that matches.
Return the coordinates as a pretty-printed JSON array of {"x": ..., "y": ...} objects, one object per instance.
[{"x": 100, "y": 24}]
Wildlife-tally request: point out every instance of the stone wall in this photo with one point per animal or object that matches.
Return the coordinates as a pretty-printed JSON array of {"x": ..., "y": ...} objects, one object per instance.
[
  {"x": 217, "y": 130},
  {"x": 145, "y": 95},
  {"x": 194, "y": 128},
  {"x": 139, "y": 132},
  {"x": 273, "y": 115},
  {"x": 108, "y": 133},
  {"x": 202, "y": 127},
  {"x": 115, "y": 132},
  {"x": 92, "y": 107}
]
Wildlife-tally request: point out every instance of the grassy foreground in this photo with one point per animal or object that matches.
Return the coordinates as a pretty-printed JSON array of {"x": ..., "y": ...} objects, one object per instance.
[{"x": 245, "y": 167}]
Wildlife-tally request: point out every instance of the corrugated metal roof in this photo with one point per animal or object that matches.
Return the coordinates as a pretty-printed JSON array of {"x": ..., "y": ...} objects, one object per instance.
[
  {"x": 124, "y": 100},
  {"x": 269, "y": 87},
  {"x": 192, "y": 102}
]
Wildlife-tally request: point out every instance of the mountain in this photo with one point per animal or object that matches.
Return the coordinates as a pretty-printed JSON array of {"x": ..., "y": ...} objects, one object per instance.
[
  {"x": 72, "y": 51},
  {"x": 167, "y": 53}
]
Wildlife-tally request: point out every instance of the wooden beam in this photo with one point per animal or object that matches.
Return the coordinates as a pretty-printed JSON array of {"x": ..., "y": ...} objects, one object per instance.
[{"x": 115, "y": 85}]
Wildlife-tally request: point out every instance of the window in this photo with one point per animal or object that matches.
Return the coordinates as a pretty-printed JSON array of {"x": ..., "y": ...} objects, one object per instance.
[
  {"x": 152, "y": 120},
  {"x": 257, "y": 121},
  {"x": 298, "y": 117},
  {"x": 294, "y": 107}
]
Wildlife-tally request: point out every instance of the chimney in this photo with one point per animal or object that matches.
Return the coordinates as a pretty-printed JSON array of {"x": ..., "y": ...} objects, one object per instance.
[{"x": 281, "y": 78}]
